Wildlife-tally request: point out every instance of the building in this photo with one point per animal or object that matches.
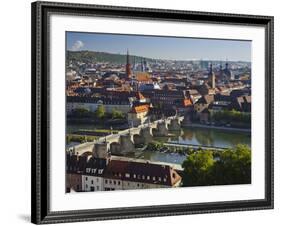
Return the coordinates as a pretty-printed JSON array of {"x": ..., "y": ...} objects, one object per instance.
[
  {"x": 149, "y": 86},
  {"x": 128, "y": 175},
  {"x": 212, "y": 77},
  {"x": 128, "y": 66},
  {"x": 218, "y": 106},
  {"x": 164, "y": 98},
  {"x": 101, "y": 172},
  {"x": 193, "y": 94},
  {"x": 203, "y": 103},
  {"x": 138, "y": 115},
  {"x": 92, "y": 103},
  {"x": 206, "y": 89},
  {"x": 242, "y": 104},
  {"x": 74, "y": 170},
  {"x": 184, "y": 106},
  {"x": 92, "y": 179},
  {"x": 226, "y": 74}
]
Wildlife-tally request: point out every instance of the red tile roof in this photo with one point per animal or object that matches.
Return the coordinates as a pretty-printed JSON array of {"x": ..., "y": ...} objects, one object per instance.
[
  {"x": 140, "y": 108},
  {"x": 142, "y": 172}
]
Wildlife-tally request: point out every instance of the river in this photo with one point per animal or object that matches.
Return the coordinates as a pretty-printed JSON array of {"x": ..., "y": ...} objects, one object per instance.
[{"x": 194, "y": 136}]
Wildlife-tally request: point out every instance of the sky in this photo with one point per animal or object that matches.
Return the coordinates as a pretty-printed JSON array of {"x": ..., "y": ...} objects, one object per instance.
[{"x": 161, "y": 47}]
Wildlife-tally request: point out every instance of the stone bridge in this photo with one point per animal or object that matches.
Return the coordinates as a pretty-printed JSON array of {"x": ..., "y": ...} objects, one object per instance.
[{"x": 125, "y": 140}]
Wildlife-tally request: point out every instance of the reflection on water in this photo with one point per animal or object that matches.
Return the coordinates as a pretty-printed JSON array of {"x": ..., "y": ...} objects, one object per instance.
[{"x": 212, "y": 137}]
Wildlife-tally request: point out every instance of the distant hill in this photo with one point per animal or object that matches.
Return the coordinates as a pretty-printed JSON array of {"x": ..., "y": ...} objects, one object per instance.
[{"x": 91, "y": 56}]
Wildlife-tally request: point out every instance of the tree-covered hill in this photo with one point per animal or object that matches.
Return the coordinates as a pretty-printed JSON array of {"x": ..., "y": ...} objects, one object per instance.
[{"x": 91, "y": 56}]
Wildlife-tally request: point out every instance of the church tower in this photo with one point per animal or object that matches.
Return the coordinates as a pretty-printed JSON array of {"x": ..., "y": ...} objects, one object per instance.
[
  {"x": 128, "y": 66},
  {"x": 212, "y": 77}
]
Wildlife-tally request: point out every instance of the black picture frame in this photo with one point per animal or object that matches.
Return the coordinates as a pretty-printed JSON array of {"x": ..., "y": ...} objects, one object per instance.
[{"x": 40, "y": 212}]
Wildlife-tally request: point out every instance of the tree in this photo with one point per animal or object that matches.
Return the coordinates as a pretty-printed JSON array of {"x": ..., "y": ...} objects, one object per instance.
[
  {"x": 205, "y": 167},
  {"x": 197, "y": 168},
  {"x": 233, "y": 166},
  {"x": 117, "y": 114},
  {"x": 100, "y": 112},
  {"x": 81, "y": 112}
]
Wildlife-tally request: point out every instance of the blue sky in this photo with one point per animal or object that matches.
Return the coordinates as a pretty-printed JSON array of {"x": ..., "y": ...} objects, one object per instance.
[{"x": 161, "y": 47}]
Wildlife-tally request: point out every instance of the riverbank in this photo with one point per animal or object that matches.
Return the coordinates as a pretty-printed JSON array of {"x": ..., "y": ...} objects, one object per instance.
[{"x": 224, "y": 128}]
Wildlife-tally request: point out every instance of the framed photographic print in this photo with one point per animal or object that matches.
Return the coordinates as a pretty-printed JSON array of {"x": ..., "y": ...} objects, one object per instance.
[{"x": 149, "y": 112}]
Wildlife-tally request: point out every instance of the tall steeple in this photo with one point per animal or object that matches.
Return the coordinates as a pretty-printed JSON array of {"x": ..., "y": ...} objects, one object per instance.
[
  {"x": 212, "y": 77},
  {"x": 128, "y": 65},
  {"x": 211, "y": 69}
]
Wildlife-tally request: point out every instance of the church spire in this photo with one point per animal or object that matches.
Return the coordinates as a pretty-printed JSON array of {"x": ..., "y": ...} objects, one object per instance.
[
  {"x": 128, "y": 65},
  {"x": 128, "y": 57},
  {"x": 212, "y": 77}
]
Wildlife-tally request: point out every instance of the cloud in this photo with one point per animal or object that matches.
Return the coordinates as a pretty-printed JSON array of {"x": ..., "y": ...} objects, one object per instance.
[{"x": 77, "y": 45}]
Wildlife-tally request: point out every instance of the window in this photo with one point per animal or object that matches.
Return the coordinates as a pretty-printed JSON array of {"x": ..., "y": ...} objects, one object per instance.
[
  {"x": 127, "y": 175},
  {"x": 153, "y": 178},
  {"x": 86, "y": 185},
  {"x": 119, "y": 182},
  {"x": 135, "y": 175},
  {"x": 148, "y": 177},
  {"x": 86, "y": 178},
  {"x": 97, "y": 179},
  {"x": 114, "y": 182},
  {"x": 174, "y": 175},
  {"x": 98, "y": 188},
  {"x": 105, "y": 181},
  {"x": 159, "y": 178}
]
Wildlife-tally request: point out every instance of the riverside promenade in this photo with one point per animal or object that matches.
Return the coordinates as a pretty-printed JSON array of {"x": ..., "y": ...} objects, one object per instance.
[{"x": 198, "y": 125}]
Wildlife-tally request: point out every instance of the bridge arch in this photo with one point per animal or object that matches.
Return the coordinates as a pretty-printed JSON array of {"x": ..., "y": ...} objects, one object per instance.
[{"x": 115, "y": 148}]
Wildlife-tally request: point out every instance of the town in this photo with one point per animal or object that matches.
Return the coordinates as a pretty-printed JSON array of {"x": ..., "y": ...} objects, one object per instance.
[{"x": 127, "y": 102}]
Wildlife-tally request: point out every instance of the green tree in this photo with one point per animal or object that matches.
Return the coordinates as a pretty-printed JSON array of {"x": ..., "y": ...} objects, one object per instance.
[
  {"x": 233, "y": 166},
  {"x": 117, "y": 114},
  {"x": 81, "y": 112},
  {"x": 232, "y": 116},
  {"x": 100, "y": 112},
  {"x": 197, "y": 168}
]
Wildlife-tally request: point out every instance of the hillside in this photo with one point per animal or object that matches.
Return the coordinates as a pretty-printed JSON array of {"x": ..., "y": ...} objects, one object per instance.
[{"x": 91, "y": 56}]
